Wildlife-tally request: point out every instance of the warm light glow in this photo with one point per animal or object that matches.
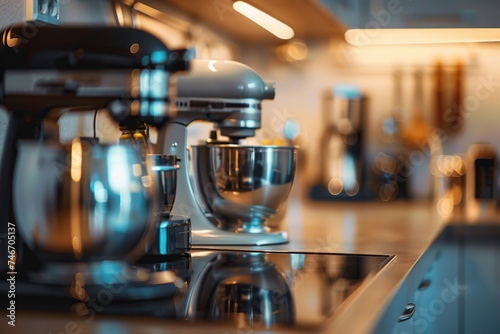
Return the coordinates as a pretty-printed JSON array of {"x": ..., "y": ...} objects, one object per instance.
[
  {"x": 201, "y": 253},
  {"x": 275, "y": 27},
  {"x": 449, "y": 165},
  {"x": 164, "y": 277},
  {"x": 292, "y": 52},
  {"x": 297, "y": 51},
  {"x": 363, "y": 37},
  {"x": 161, "y": 16},
  {"x": 77, "y": 244},
  {"x": 119, "y": 14},
  {"x": 134, "y": 48},
  {"x": 445, "y": 206},
  {"x": 388, "y": 192},
  {"x": 77, "y": 289},
  {"x": 11, "y": 41},
  {"x": 335, "y": 186},
  {"x": 76, "y": 160},
  {"x": 456, "y": 195},
  {"x": 353, "y": 190},
  {"x": 75, "y": 216}
]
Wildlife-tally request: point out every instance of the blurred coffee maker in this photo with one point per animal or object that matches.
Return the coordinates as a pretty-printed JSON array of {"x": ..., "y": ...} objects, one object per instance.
[{"x": 341, "y": 147}]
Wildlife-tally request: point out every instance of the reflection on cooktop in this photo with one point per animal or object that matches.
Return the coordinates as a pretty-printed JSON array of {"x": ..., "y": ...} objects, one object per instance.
[{"x": 247, "y": 289}]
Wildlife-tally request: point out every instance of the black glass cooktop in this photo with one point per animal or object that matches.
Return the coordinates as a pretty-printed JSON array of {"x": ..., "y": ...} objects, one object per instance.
[{"x": 247, "y": 289}]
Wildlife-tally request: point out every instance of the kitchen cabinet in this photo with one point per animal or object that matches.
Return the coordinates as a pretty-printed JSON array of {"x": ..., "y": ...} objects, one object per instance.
[
  {"x": 460, "y": 292},
  {"x": 436, "y": 297},
  {"x": 481, "y": 299}
]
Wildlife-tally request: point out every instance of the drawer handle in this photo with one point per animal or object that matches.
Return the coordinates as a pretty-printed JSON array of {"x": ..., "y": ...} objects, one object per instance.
[
  {"x": 407, "y": 313},
  {"x": 424, "y": 284}
]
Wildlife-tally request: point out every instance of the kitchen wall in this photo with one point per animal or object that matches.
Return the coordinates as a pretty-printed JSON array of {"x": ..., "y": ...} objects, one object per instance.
[{"x": 301, "y": 85}]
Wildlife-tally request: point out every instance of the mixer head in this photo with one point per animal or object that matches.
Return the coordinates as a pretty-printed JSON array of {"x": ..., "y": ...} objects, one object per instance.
[
  {"x": 122, "y": 69},
  {"x": 225, "y": 92}
]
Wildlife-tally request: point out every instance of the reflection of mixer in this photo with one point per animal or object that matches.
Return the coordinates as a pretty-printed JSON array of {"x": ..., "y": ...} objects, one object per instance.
[
  {"x": 234, "y": 289},
  {"x": 243, "y": 288},
  {"x": 86, "y": 201},
  {"x": 234, "y": 188}
]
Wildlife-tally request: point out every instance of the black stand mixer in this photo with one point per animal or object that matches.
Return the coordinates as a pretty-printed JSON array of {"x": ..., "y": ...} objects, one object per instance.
[{"x": 61, "y": 69}]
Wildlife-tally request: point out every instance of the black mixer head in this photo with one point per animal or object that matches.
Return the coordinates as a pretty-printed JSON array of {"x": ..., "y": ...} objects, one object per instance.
[
  {"x": 71, "y": 47},
  {"x": 44, "y": 68}
]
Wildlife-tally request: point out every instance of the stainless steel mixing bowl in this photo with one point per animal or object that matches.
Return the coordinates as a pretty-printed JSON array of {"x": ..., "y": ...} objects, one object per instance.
[
  {"x": 84, "y": 201},
  {"x": 243, "y": 186}
]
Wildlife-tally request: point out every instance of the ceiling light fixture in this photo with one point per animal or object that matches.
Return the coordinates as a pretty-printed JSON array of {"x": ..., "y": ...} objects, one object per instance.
[
  {"x": 266, "y": 21},
  {"x": 363, "y": 37}
]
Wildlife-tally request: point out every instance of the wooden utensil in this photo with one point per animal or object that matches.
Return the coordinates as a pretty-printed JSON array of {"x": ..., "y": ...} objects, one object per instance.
[
  {"x": 456, "y": 117},
  {"x": 417, "y": 131},
  {"x": 438, "y": 95}
]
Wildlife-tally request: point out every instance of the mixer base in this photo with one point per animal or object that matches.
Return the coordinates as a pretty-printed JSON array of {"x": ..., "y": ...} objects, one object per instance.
[{"x": 215, "y": 236}]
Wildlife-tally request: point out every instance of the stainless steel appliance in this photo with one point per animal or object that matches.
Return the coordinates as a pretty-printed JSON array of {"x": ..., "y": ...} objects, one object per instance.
[
  {"x": 342, "y": 161},
  {"x": 240, "y": 187},
  {"x": 45, "y": 71},
  {"x": 233, "y": 188}
]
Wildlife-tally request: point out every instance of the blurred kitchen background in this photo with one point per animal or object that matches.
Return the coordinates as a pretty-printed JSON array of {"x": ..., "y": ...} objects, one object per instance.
[{"x": 392, "y": 110}]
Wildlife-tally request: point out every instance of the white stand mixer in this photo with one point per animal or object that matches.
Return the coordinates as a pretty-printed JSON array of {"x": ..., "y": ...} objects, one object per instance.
[{"x": 229, "y": 94}]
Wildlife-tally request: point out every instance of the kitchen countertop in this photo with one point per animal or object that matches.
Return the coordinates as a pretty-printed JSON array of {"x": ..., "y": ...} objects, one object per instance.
[{"x": 403, "y": 229}]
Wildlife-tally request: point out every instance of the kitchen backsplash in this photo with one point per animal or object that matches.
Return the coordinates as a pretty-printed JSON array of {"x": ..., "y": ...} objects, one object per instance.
[{"x": 300, "y": 87}]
